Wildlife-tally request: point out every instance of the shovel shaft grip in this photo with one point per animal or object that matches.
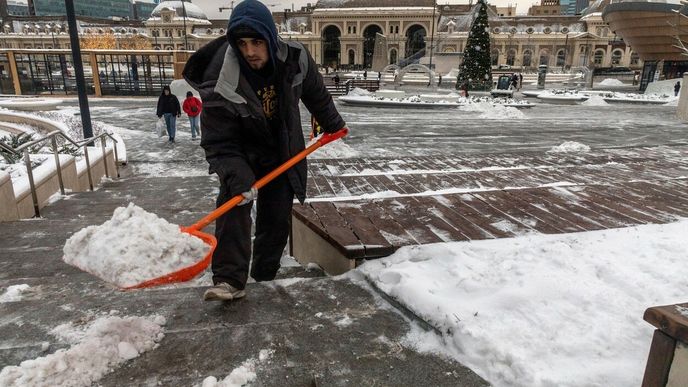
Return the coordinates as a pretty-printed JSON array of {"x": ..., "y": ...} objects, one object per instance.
[{"x": 231, "y": 203}]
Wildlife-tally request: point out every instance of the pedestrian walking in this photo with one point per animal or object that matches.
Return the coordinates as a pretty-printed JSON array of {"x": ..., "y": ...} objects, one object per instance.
[
  {"x": 168, "y": 107},
  {"x": 251, "y": 82},
  {"x": 677, "y": 88},
  {"x": 520, "y": 81},
  {"x": 365, "y": 74},
  {"x": 464, "y": 88},
  {"x": 192, "y": 107},
  {"x": 336, "y": 81},
  {"x": 439, "y": 80}
]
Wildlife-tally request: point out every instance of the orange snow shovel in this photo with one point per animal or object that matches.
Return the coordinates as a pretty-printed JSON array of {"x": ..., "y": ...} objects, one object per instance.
[{"x": 189, "y": 272}]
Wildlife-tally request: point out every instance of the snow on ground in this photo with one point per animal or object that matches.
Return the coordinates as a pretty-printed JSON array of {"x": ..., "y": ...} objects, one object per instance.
[
  {"x": 242, "y": 375},
  {"x": 13, "y": 293},
  {"x": 543, "y": 310},
  {"x": 96, "y": 349},
  {"x": 132, "y": 247},
  {"x": 491, "y": 111},
  {"x": 595, "y": 100},
  {"x": 358, "y": 92},
  {"x": 570, "y": 147},
  {"x": 611, "y": 82}
]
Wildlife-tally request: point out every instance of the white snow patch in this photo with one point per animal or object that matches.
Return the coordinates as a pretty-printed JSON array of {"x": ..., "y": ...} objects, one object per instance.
[
  {"x": 97, "y": 349},
  {"x": 611, "y": 82},
  {"x": 570, "y": 147},
  {"x": 242, "y": 375},
  {"x": 595, "y": 100},
  {"x": 494, "y": 112},
  {"x": 543, "y": 310},
  {"x": 13, "y": 293},
  {"x": 344, "y": 321},
  {"x": 333, "y": 150},
  {"x": 682, "y": 310},
  {"x": 357, "y": 91},
  {"x": 132, "y": 247}
]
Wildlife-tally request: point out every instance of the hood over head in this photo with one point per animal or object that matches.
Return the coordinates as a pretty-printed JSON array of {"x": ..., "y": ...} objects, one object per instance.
[{"x": 251, "y": 18}]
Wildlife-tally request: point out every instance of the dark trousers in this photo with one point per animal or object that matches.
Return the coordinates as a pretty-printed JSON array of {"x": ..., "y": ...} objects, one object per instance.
[{"x": 233, "y": 232}]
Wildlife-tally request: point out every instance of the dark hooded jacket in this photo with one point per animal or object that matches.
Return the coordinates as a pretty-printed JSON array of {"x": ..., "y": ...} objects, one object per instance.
[
  {"x": 168, "y": 103},
  {"x": 239, "y": 144}
]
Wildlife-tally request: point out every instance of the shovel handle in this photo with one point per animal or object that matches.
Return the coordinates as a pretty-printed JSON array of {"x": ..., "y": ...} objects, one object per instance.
[{"x": 231, "y": 203}]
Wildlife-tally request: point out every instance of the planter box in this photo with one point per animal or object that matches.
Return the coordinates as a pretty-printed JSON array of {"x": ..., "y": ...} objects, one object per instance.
[
  {"x": 8, "y": 208},
  {"x": 47, "y": 184},
  {"x": 97, "y": 168}
]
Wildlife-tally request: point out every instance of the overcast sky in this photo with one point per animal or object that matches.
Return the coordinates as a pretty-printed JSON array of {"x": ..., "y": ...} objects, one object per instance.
[{"x": 211, "y": 7}]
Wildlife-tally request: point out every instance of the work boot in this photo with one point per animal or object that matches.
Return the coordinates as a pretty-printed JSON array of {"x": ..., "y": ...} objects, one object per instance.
[{"x": 223, "y": 292}]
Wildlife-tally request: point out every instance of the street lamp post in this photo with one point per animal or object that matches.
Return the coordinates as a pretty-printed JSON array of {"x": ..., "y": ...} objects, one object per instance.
[
  {"x": 78, "y": 70},
  {"x": 186, "y": 41},
  {"x": 432, "y": 35}
]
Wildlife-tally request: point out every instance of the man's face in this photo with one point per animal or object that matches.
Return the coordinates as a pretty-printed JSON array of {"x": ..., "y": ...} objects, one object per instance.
[
  {"x": 167, "y": 92},
  {"x": 255, "y": 51}
]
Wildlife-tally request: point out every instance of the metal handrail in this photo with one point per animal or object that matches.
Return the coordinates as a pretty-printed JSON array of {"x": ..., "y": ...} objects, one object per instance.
[{"x": 52, "y": 136}]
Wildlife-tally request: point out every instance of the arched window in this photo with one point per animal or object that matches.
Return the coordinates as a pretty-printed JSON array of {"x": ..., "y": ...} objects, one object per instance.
[
  {"x": 511, "y": 57},
  {"x": 527, "y": 58},
  {"x": 544, "y": 57},
  {"x": 415, "y": 39},
  {"x": 352, "y": 57},
  {"x": 331, "y": 46},
  {"x": 494, "y": 57},
  {"x": 369, "y": 34},
  {"x": 393, "y": 56},
  {"x": 561, "y": 58},
  {"x": 617, "y": 56},
  {"x": 598, "y": 57}
]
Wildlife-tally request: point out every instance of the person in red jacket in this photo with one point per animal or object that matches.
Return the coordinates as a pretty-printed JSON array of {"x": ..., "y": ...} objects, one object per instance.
[{"x": 192, "y": 107}]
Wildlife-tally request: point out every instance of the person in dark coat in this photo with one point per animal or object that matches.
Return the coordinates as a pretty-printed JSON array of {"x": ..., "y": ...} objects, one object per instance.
[
  {"x": 677, "y": 88},
  {"x": 336, "y": 81},
  {"x": 251, "y": 82},
  {"x": 168, "y": 107}
]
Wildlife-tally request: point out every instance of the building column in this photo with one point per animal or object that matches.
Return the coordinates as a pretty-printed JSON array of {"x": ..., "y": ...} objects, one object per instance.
[
  {"x": 96, "y": 74},
  {"x": 14, "y": 73}
]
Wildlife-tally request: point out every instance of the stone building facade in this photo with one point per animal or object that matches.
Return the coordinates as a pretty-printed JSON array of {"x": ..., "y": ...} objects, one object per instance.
[{"x": 349, "y": 33}]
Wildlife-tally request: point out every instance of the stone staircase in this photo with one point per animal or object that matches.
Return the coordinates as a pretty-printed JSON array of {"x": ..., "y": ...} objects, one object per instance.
[{"x": 300, "y": 318}]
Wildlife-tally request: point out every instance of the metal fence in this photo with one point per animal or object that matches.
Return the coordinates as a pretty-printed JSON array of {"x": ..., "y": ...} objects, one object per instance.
[{"x": 111, "y": 72}]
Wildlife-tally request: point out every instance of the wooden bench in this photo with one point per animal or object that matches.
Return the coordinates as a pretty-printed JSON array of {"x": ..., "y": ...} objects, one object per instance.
[
  {"x": 340, "y": 226},
  {"x": 667, "y": 363}
]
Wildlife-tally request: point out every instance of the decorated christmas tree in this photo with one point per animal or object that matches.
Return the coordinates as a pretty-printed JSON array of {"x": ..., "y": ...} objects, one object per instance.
[{"x": 476, "y": 66}]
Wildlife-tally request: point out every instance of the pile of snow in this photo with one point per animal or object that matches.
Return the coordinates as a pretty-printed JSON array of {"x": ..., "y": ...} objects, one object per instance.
[
  {"x": 242, "y": 375},
  {"x": 132, "y": 247},
  {"x": 358, "y": 92},
  {"x": 13, "y": 293},
  {"x": 672, "y": 102},
  {"x": 543, "y": 310},
  {"x": 570, "y": 147},
  {"x": 96, "y": 350},
  {"x": 595, "y": 100},
  {"x": 491, "y": 111},
  {"x": 611, "y": 82}
]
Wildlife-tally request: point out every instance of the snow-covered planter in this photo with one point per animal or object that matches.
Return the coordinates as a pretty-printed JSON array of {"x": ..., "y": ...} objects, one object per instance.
[{"x": 390, "y": 94}]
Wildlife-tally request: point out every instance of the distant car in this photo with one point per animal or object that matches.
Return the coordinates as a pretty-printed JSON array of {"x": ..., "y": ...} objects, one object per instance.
[{"x": 504, "y": 67}]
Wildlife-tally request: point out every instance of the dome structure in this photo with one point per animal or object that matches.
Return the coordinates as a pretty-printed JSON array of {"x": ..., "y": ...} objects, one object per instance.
[{"x": 192, "y": 10}]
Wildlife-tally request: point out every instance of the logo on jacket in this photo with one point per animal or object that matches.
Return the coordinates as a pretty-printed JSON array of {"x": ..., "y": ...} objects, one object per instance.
[{"x": 269, "y": 99}]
